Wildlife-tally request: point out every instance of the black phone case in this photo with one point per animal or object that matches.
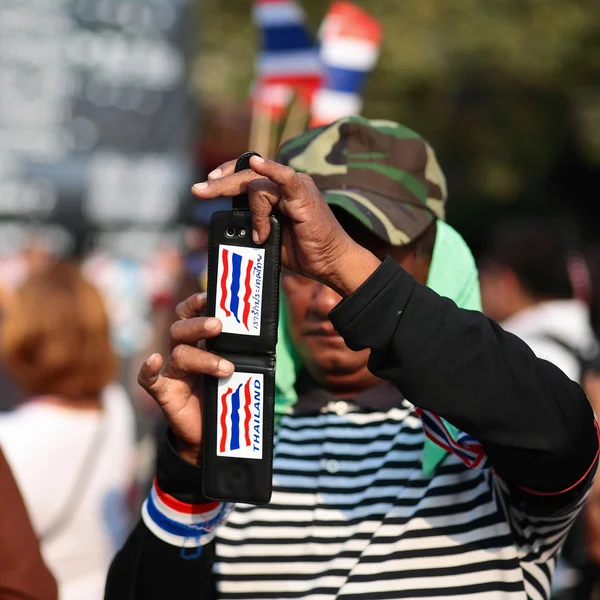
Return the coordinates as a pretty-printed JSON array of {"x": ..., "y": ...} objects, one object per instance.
[
  {"x": 239, "y": 479},
  {"x": 243, "y": 291}
]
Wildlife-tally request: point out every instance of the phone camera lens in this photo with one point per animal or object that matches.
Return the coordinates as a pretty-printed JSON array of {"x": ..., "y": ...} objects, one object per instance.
[{"x": 230, "y": 232}]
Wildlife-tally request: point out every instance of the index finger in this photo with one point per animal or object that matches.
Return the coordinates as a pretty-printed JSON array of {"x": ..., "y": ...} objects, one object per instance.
[
  {"x": 229, "y": 185},
  {"x": 223, "y": 170}
]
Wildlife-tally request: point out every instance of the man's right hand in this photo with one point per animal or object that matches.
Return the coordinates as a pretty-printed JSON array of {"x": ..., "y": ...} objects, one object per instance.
[{"x": 178, "y": 387}]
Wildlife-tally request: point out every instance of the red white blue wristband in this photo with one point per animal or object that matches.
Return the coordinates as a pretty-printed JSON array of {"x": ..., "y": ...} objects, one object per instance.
[{"x": 180, "y": 524}]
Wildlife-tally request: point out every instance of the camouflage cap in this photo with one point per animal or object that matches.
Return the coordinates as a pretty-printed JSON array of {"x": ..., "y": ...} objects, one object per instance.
[{"x": 382, "y": 173}]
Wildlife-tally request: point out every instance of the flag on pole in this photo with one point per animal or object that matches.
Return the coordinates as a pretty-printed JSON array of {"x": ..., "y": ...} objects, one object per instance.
[
  {"x": 350, "y": 44},
  {"x": 272, "y": 99},
  {"x": 288, "y": 62}
]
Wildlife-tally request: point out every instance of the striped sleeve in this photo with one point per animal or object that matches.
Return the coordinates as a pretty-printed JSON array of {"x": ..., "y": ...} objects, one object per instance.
[
  {"x": 181, "y": 524},
  {"x": 538, "y": 529},
  {"x": 540, "y": 522}
]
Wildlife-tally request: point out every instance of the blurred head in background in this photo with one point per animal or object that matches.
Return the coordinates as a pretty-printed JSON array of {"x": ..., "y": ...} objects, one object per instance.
[
  {"x": 55, "y": 338},
  {"x": 526, "y": 264},
  {"x": 534, "y": 284}
]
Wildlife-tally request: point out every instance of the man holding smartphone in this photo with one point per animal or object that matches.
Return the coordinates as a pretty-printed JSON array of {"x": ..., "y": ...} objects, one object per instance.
[{"x": 469, "y": 489}]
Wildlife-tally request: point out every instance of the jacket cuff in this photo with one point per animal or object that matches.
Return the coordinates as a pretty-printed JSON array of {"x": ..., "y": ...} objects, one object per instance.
[
  {"x": 178, "y": 477},
  {"x": 376, "y": 306},
  {"x": 582, "y": 484}
]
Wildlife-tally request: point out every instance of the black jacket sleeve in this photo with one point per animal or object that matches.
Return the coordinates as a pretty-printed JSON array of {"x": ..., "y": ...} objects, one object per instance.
[
  {"x": 536, "y": 425},
  {"x": 148, "y": 568}
]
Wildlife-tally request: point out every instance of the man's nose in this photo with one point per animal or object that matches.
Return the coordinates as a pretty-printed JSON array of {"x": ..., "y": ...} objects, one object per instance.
[{"x": 324, "y": 299}]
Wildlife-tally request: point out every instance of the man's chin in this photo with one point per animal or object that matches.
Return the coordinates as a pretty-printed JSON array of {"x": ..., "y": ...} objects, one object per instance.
[
  {"x": 335, "y": 359},
  {"x": 345, "y": 379}
]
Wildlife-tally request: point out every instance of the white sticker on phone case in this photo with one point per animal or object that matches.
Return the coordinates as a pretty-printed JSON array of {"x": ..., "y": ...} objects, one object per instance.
[
  {"x": 239, "y": 416},
  {"x": 240, "y": 289}
]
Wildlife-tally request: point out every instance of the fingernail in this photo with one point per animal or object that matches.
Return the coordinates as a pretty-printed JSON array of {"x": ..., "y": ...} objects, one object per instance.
[
  {"x": 200, "y": 186},
  {"x": 150, "y": 359},
  {"x": 258, "y": 159},
  {"x": 214, "y": 174},
  {"x": 255, "y": 236},
  {"x": 211, "y": 324},
  {"x": 201, "y": 297},
  {"x": 225, "y": 367}
]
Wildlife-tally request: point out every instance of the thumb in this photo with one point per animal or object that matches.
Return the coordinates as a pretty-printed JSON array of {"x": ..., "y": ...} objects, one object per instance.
[
  {"x": 150, "y": 378},
  {"x": 262, "y": 196}
]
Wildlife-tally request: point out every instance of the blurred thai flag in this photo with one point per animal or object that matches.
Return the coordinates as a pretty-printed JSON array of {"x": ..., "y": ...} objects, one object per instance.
[
  {"x": 272, "y": 99},
  {"x": 289, "y": 62},
  {"x": 350, "y": 44}
]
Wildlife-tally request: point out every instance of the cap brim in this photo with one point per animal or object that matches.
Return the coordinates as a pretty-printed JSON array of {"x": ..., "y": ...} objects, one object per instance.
[{"x": 395, "y": 222}]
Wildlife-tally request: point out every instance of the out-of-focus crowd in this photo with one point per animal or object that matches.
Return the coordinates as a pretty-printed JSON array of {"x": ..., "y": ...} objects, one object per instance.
[
  {"x": 75, "y": 428},
  {"x": 79, "y": 434}
]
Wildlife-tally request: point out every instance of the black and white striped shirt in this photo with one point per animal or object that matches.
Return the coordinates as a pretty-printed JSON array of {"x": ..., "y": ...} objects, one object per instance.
[{"x": 352, "y": 516}]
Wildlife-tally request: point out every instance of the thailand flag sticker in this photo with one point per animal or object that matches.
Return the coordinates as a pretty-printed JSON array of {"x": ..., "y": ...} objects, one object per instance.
[
  {"x": 239, "y": 416},
  {"x": 240, "y": 289}
]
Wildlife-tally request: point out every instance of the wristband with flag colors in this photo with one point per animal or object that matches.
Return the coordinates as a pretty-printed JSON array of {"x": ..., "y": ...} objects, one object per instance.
[{"x": 181, "y": 524}]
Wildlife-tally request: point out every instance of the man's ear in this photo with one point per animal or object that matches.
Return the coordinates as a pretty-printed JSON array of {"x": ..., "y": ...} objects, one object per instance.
[
  {"x": 421, "y": 269},
  {"x": 409, "y": 261}
]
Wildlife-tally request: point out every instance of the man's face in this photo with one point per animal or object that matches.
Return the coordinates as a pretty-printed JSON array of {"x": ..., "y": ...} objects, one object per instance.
[{"x": 324, "y": 354}]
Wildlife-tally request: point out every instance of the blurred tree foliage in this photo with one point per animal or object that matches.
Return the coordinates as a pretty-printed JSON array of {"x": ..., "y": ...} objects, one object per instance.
[{"x": 507, "y": 91}]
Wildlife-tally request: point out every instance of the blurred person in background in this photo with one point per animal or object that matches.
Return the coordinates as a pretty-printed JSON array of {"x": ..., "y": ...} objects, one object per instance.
[
  {"x": 528, "y": 285},
  {"x": 23, "y": 573},
  {"x": 71, "y": 444}
]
